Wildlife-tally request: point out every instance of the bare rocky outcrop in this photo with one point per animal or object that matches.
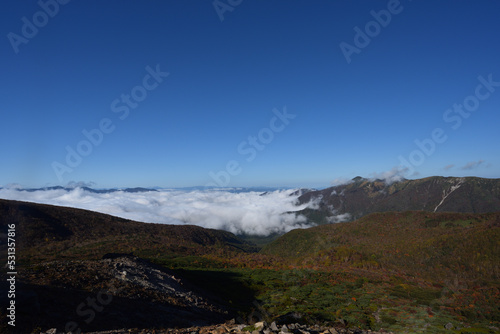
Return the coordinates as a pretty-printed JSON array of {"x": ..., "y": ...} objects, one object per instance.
[
  {"x": 154, "y": 282},
  {"x": 112, "y": 293}
]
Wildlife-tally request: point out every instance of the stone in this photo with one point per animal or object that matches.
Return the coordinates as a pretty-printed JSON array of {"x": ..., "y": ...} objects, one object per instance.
[
  {"x": 448, "y": 326},
  {"x": 260, "y": 325},
  {"x": 220, "y": 330},
  {"x": 273, "y": 326}
]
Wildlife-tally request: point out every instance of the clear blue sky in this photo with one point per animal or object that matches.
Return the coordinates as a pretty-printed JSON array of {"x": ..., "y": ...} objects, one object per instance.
[{"x": 355, "y": 117}]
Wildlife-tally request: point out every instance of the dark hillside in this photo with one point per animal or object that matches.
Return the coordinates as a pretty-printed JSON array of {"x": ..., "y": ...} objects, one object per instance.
[
  {"x": 67, "y": 256},
  {"x": 434, "y": 194},
  {"x": 45, "y": 232}
]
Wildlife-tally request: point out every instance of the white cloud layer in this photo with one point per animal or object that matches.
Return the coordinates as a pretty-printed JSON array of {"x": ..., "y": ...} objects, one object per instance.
[{"x": 247, "y": 212}]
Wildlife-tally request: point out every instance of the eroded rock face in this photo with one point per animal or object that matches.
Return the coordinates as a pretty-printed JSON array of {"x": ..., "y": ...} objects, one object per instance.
[
  {"x": 112, "y": 293},
  {"x": 141, "y": 279}
]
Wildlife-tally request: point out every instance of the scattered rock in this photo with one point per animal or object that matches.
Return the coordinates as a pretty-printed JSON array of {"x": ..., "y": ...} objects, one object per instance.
[
  {"x": 49, "y": 296},
  {"x": 273, "y": 326},
  {"x": 260, "y": 325},
  {"x": 237, "y": 329}
]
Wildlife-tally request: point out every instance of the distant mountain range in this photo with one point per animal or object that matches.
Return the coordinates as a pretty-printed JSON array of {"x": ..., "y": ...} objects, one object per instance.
[
  {"x": 95, "y": 191},
  {"x": 142, "y": 189},
  {"x": 362, "y": 196}
]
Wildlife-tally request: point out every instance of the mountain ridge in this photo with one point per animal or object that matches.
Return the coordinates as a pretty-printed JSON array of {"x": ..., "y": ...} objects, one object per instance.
[
  {"x": 47, "y": 229},
  {"x": 361, "y": 196}
]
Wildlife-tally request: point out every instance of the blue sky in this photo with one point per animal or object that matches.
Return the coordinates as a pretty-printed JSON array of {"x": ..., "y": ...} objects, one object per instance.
[{"x": 103, "y": 65}]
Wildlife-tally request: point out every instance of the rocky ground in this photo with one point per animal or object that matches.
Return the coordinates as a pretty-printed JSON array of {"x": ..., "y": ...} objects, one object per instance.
[
  {"x": 114, "y": 292},
  {"x": 232, "y": 328}
]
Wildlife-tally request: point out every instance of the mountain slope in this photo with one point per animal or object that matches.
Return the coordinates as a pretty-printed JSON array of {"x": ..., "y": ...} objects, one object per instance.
[
  {"x": 419, "y": 243},
  {"x": 66, "y": 257},
  {"x": 417, "y": 268},
  {"x": 45, "y": 232},
  {"x": 434, "y": 194}
]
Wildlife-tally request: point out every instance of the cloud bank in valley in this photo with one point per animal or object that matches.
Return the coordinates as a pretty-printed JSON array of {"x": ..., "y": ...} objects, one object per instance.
[{"x": 240, "y": 213}]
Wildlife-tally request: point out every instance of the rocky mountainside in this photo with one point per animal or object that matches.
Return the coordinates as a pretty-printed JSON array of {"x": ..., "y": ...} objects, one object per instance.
[
  {"x": 362, "y": 196},
  {"x": 117, "y": 291}
]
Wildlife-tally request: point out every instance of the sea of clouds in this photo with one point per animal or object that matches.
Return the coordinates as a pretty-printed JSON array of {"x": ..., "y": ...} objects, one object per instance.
[{"x": 255, "y": 213}]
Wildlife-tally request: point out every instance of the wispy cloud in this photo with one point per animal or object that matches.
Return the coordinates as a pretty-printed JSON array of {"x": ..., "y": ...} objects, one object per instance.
[
  {"x": 396, "y": 174},
  {"x": 448, "y": 167},
  {"x": 250, "y": 212},
  {"x": 340, "y": 181},
  {"x": 339, "y": 218},
  {"x": 472, "y": 165}
]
